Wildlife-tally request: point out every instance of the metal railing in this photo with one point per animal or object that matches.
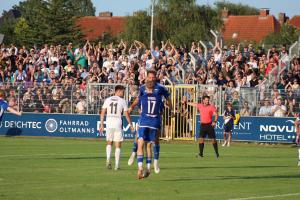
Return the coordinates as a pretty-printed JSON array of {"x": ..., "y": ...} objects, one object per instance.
[
  {"x": 277, "y": 71},
  {"x": 75, "y": 99},
  {"x": 98, "y": 92},
  {"x": 47, "y": 98},
  {"x": 294, "y": 50}
]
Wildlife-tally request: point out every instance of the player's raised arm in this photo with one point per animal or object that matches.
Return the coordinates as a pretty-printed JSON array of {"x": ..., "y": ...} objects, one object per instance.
[{"x": 13, "y": 111}]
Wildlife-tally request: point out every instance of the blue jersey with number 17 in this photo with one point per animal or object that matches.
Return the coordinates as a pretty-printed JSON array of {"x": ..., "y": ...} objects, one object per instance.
[
  {"x": 3, "y": 107},
  {"x": 151, "y": 105}
]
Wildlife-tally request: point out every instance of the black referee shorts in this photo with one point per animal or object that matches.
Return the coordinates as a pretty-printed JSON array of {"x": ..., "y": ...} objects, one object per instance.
[{"x": 207, "y": 130}]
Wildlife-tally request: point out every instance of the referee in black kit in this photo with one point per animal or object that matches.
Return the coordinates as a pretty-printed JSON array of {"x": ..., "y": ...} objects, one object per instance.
[{"x": 207, "y": 112}]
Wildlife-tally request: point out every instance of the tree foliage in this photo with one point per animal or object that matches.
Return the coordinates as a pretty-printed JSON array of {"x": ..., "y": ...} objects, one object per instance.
[
  {"x": 7, "y": 23},
  {"x": 137, "y": 27},
  {"x": 49, "y": 21},
  {"x": 83, "y": 7},
  {"x": 236, "y": 9},
  {"x": 180, "y": 21},
  {"x": 288, "y": 34},
  {"x": 21, "y": 30}
]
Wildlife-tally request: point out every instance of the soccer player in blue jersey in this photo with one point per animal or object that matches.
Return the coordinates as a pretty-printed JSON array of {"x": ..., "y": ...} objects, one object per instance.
[
  {"x": 150, "y": 100},
  {"x": 5, "y": 107}
]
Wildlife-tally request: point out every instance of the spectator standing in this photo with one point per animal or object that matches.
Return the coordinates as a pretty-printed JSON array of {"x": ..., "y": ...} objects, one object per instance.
[
  {"x": 266, "y": 109},
  {"x": 229, "y": 117},
  {"x": 279, "y": 110}
]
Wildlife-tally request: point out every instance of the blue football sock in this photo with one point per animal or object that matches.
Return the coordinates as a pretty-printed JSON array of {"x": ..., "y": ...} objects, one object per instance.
[
  {"x": 156, "y": 150},
  {"x": 140, "y": 161},
  {"x": 140, "y": 158},
  {"x": 148, "y": 162},
  {"x": 134, "y": 147}
]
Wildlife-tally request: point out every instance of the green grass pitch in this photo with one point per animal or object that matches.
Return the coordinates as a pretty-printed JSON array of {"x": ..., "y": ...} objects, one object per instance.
[{"x": 68, "y": 169}]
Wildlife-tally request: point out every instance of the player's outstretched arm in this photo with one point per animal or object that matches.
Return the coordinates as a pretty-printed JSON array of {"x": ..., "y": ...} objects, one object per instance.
[
  {"x": 13, "y": 111},
  {"x": 192, "y": 104},
  {"x": 128, "y": 118},
  {"x": 132, "y": 106}
]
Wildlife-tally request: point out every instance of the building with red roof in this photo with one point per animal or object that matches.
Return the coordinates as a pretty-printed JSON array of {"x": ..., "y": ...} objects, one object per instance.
[
  {"x": 242, "y": 27},
  {"x": 94, "y": 27},
  {"x": 295, "y": 21},
  {"x": 250, "y": 27}
]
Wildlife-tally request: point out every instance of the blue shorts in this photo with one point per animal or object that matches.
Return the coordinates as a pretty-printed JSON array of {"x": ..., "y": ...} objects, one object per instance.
[
  {"x": 147, "y": 134},
  {"x": 228, "y": 127}
]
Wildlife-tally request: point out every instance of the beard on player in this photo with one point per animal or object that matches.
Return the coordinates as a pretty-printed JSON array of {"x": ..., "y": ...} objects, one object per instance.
[{"x": 150, "y": 84}]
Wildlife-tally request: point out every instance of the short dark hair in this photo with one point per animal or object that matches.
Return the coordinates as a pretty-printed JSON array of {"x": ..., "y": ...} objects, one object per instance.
[
  {"x": 151, "y": 72},
  {"x": 119, "y": 87},
  {"x": 206, "y": 97}
]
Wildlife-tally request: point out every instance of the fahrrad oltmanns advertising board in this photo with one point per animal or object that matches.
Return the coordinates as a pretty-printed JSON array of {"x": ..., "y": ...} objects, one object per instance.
[{"x": 263, "y": 129}]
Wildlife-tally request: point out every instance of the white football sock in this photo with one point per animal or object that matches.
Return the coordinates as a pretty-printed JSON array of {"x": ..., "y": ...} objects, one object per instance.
[
  {"x": 117, "y": 157},
  {"x": 108, "y": 152}
]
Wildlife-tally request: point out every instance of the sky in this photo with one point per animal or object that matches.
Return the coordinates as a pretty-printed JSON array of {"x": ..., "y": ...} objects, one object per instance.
[{"x": 127, "y": 7}]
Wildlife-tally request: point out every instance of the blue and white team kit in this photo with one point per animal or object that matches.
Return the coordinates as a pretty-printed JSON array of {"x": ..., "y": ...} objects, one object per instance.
[
  {"x": 151, "y": 106},
  {"x": 3, "y": 108}
]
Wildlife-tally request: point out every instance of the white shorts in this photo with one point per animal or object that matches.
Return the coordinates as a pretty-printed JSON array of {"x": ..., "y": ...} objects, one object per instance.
[{"x": 114, "y": 135}]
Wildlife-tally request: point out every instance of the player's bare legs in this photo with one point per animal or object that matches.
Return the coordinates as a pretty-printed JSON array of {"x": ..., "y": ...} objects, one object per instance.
[
  {"x": 117, "y": 154},
  {"x": 156, "y": 150},
  {"x": 108, "y": 154},
  {"x": 134, "y": 151},
  {"x": 149, "y": 159},
  {"x": 140, "y": 157}
]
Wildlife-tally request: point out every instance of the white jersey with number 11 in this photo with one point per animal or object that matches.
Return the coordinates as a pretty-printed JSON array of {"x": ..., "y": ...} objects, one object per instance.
[{"x": 114, "y": 106}]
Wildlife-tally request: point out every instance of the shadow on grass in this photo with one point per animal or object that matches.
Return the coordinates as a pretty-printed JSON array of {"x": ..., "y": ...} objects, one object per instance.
[
  {"x": 13, "y": 132},
  {"x": 292, "y": 176},
  {"x": 62, "y": 158},
  {"x": 80, "y": 158},
  {"x": 225, "y": 167}
]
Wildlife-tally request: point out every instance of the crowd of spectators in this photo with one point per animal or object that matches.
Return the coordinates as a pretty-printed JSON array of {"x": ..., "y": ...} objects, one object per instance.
[{"x": 54, "y": 78}]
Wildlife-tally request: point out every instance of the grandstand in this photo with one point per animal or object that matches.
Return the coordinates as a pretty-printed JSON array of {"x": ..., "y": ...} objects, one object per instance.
[
  {"x": 59, "y": 152},
  {"x": 48, "y": 80}
]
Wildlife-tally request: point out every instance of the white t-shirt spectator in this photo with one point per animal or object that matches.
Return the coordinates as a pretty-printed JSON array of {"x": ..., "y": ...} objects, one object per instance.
[
  {"x": 279, "y": 110},
  {"x": 107, "y": 64},
  {"x": 265, "y": 111},
  {"x": 81, "y": 107},
  {"x": 217, "y": 57},
  {"x": 253, "y": 64}
]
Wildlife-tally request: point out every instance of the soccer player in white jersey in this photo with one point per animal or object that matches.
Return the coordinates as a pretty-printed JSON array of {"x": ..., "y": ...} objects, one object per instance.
[{"x": 114, "y": 107}]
